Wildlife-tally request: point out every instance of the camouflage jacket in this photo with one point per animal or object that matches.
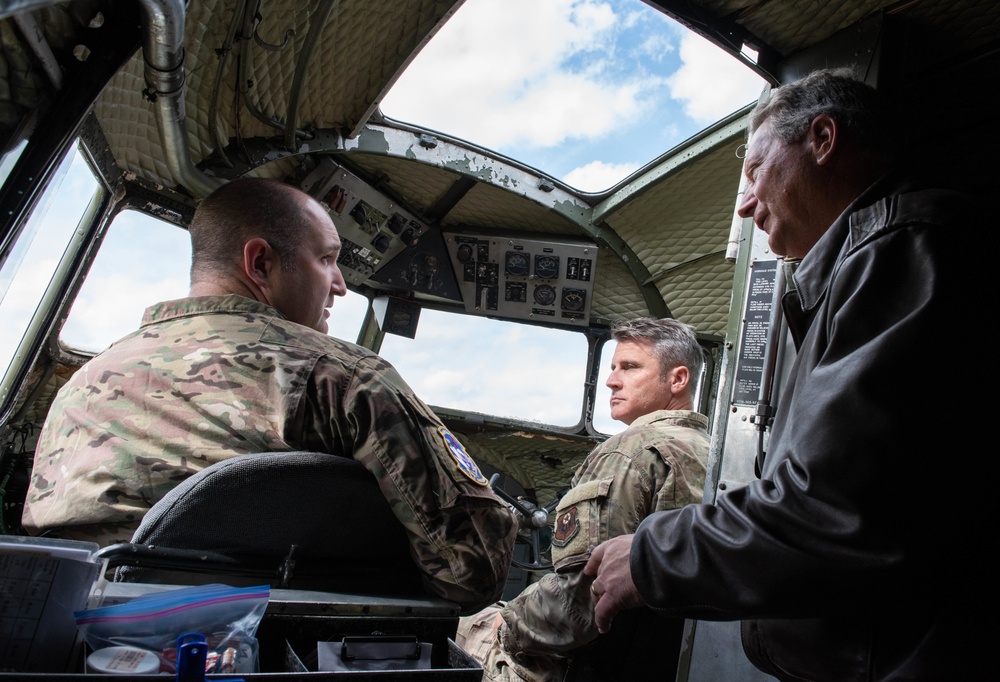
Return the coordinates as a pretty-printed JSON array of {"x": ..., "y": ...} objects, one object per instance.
[
  {"x": 208, "y": 378},
  {"x": 657, "y": 463}
]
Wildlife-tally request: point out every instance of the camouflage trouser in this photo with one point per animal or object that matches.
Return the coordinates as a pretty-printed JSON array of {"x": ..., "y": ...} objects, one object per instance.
[{"x": 477, "y": 636}]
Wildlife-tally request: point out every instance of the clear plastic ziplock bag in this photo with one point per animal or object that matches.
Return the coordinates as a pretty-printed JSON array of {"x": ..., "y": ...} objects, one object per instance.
[{"x": 227, "y": 616}]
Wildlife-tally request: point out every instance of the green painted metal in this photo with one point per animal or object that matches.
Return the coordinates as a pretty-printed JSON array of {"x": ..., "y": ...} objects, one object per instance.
[{"x": 673, "y": 161}]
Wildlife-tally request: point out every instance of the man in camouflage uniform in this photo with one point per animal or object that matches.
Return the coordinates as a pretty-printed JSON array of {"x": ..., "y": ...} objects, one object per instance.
[
  {"x": 657, "y": 463},
  {"x": 244, "y": 365}
]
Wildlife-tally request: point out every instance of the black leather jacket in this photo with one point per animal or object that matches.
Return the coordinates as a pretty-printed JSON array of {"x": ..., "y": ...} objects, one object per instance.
[{"x": 862, "y": 553}]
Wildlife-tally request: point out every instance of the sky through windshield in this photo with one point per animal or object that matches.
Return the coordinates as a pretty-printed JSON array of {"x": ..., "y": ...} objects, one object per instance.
[{"x": 587, "y": 91}]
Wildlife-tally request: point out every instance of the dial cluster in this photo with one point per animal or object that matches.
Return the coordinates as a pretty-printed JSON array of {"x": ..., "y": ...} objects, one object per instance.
[{"x": 519, "y": 277}]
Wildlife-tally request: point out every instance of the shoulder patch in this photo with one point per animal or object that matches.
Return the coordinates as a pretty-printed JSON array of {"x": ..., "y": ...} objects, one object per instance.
[
  {"x": 567, "y": 526},
  {"x": 461, "y": 457}
]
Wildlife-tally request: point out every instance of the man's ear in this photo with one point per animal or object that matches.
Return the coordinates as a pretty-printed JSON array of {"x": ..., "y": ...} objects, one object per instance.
[
  {"x": 259, "y": 261},
  {"x": 824, "y": 137},
  {"x": 679, "y": 377}
]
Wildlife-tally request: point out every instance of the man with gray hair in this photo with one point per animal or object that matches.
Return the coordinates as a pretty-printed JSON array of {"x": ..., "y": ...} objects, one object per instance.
[
  {"x": 657, "y": 463},
  {"x": 846, "y": 560}
]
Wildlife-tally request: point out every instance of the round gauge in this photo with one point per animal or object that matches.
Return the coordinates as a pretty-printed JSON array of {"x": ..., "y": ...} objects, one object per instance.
[
  {"x": 573, "y": 299},
  {"x": 545, "y": 294},
  {"x": 547, "y": 267},
  {"x": 516, "y": 264},
  {"x": 464, "y": 253}
]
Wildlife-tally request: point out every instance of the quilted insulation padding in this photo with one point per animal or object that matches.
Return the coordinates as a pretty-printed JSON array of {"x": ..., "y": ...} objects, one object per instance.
[
  {"x": 700, "y": 294},
  {"x": 616, "y": 293},
  {"x": 541, "y": 464},
  {"x": 493, "y": 207},
  {"x": 791, "y": 26},
  {"x": 965, "y": 25},
  {"x": 679, "y": 229},
  {"x": 419, "y": 185},
  {"x": 369, "y": 41},
  {"x": 20, "y": 83}
]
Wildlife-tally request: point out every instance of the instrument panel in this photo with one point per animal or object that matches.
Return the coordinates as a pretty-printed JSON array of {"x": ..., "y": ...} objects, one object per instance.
[
  {"x": 503, "y": 275},
  {"x": 380, "y": 240}
]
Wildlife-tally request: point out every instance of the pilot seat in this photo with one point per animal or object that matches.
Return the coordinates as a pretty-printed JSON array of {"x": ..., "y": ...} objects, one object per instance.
[
  {"x": 313, "y": 526},
  {"x": 295, "y": 519}
]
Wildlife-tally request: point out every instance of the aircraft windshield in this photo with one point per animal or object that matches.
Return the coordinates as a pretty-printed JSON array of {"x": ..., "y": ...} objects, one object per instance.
[
  {"x": 141, "y": 261},
  {"x": 494, "y": 367},
  {"x": 458, "y": 362},
  {"x": 587, "y": 91},
  {"x": 28, "y": 270}
]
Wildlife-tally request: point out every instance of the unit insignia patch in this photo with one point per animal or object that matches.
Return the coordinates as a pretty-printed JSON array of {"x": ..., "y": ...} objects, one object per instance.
[
  {"x": 461, "y": 457},
  {"x": 567, "y": 526}
]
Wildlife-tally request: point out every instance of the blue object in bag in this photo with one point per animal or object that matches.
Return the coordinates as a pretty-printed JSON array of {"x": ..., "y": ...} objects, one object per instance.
[
  {"x": 221, "y": 622},
  {"x": 192, "y": 652},
  {"x": 192, "y": 657}
]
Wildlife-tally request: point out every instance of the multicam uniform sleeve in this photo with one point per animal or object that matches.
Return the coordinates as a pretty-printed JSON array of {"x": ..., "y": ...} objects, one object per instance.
[
  {"x": 461, "y": 535},
  {"x": 612, "y": 493}
]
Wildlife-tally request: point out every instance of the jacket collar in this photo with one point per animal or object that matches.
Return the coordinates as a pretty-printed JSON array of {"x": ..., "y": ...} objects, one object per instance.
[
  {"x": 866, "y": 214},
  {"x": 201, "y": 305}
]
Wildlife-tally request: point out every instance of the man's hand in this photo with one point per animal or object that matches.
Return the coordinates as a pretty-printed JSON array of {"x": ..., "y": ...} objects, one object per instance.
[{"x": 612, "y": 589}]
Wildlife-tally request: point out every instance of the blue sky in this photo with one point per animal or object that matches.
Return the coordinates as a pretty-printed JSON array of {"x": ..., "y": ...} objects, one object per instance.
[{"x": 585, "y": 90}]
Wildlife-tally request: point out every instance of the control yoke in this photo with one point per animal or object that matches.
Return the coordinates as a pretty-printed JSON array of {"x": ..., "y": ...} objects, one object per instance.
[{"x": 533, "y": 520}]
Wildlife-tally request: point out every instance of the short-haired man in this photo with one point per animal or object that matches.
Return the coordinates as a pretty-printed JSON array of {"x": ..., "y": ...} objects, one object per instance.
[
  {"x": 657, "y": 463},
  {"x": 858, "y": 555},
  {"x": 244, "y": 365}
]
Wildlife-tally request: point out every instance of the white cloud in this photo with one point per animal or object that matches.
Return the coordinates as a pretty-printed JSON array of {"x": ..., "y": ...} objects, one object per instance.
[
  {"x": 711, "y": 83},
  {"x": 469, "y": 365},
  {"x": 469, "y": 82},
  {"x": 93, "y": 324},
  {"x": 525, "y": 77},
  {"x": 633, "y": 18},
  {"x": 656, "y": 46},
  {"x": 597, "y": 175}
]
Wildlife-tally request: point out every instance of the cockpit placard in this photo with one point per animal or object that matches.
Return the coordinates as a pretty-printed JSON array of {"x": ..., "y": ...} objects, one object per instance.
[
  {"x": 503, "y": 275},
  {"x": 756, "y": 329}
]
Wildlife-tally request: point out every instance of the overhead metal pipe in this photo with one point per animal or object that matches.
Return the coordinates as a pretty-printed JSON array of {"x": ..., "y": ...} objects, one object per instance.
[{"x": 163, "y": 54}]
